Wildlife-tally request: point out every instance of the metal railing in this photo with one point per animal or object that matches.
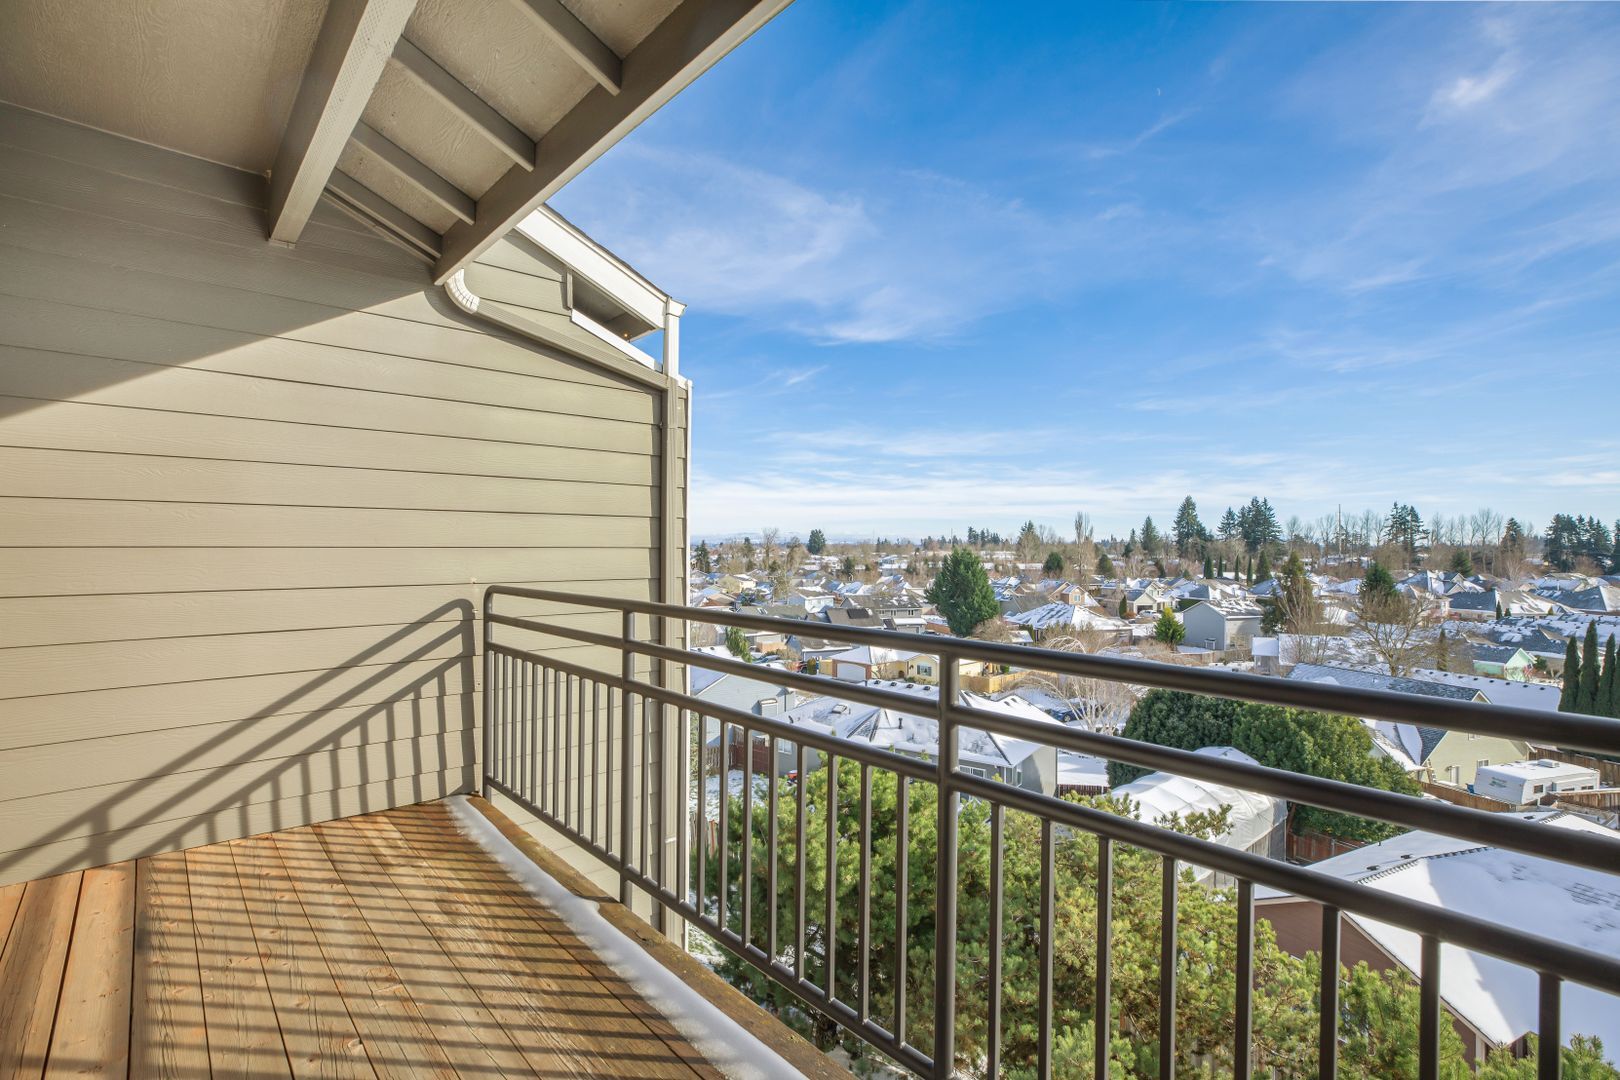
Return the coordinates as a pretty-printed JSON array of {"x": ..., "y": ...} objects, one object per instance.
[{"x": 554, "y": 726}]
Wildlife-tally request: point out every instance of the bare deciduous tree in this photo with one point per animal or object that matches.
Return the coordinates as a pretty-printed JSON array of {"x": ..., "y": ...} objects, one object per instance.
[{"x": 1392, "y": 627}]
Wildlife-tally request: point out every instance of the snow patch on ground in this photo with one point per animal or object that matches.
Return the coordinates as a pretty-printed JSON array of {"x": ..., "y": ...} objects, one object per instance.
[{"x": 725, "y": 1043}]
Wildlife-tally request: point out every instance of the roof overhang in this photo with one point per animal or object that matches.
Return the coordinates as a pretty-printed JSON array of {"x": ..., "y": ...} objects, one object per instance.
[{"x": 444, "y": 123}]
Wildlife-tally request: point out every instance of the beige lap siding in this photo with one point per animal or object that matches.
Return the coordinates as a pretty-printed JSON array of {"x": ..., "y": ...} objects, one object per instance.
[{"x": 250, "y": 497}]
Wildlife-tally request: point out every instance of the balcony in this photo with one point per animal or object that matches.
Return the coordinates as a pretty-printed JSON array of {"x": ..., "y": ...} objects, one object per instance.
[
  {"x": 388, "y": 944},
  {"x": 813, "y": 908}
]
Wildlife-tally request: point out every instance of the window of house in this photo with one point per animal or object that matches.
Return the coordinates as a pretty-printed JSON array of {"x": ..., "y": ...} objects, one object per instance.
[
  {"x": 1453, "y": 774},
  {"x": 1538, "y": 789}
]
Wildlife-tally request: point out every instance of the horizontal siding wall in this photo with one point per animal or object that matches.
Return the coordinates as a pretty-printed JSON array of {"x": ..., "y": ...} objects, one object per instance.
[{"x": 250, "y": 497}]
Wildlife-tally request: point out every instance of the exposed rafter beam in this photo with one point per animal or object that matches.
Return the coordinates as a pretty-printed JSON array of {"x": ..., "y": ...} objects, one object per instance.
[
  {"x": 576, "y": 39},
  {"x": 355, "y": 40},
  {"x": 414, "y": 172},
  {"x": 384, "y": 214},
  {"x": 684, "y": 46},
  {"x": 504, "y": 135}
]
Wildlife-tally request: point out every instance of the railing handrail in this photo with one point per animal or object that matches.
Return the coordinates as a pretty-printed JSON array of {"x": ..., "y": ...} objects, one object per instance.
[
  {"x": 1554, "y": 960},
  {"x": 1574, "y": 730},
  {"x": 1514, "y": 834}
]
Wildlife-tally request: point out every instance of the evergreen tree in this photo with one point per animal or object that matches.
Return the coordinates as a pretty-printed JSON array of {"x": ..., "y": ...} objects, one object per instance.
[
  {"x": 748, "y": 553},
  {"x": 1250, "y": 572},
  {"x": 1124, "y": 609},
  {"x": 705, "y": 563},
  {"x": 1105, "y": 565},
  {"x": 1609, "y": 688},
  {"x": 848, "y": 568},
  {"x": 1586, "y": 698},
  {"x": 817, "y": 542},
  {"x": 737, "y": 644},
  {"x": 1265, "y": 568},
  {"x": 1405, "y": 527},
  {"x": 1151, "y": 540},
  {"x": 1462, "y": 564},
  {"x": 1499, "y": 612},
  {"x": 1220, "y": 567},
  {"x": 1228, "y": 528},
  {"x": 1512, "y": 537},
  {"x": 1440, "y": 651},
  {"x": 1168, "y": 628},
  {"x": 1209, "y": 571},
  {"x": 1378, "y": 583},
  {"x": 962, "y": 593},
  {"x": 1572, "y": 679},
  {"x": 1187, "y": 530},
  {"x": 1053, "y": 567}
]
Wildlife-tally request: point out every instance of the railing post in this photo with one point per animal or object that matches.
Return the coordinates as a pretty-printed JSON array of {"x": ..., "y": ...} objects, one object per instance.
[
  {"x": 627, "y": 790},
  {"x": 489, "y": 699},
  {"x": 945, "y": 884}
]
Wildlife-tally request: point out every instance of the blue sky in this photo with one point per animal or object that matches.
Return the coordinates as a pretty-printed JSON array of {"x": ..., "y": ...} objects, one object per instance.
[{"x": 968, "y": 263}]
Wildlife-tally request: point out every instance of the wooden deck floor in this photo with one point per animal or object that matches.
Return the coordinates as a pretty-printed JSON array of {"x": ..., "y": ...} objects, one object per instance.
[{"x": 387, "y": 945}]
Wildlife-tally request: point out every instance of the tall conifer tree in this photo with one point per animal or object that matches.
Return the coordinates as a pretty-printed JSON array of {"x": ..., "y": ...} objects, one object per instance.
[
  {"x": 1586, "y": 699},
  {"x": 1572, "y": 678}
]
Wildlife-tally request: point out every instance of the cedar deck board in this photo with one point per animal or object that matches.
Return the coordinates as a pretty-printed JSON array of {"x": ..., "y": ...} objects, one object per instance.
[{"x": 387, "y": 945}]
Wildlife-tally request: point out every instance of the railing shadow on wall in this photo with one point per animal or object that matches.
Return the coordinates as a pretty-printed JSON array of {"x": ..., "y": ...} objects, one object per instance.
[
  {"x": 268, "y": 781},
  {"x": 552, "y": 724}
]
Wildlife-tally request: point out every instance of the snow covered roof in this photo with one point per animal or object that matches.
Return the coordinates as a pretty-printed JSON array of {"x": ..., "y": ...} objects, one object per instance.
[
  {"x": 1374, "y": 680},
  {"x": 1524, "y": 695},
  {"x": 1158, "y": 795},
  {"x": 908, "y": 733},
  {"x": 1059, "y": 614},
  {"x": 1575, "y": 905},
  {"x": 874, "y": 654},
  {"x": 1081, "y": 770},
  {"x": 1234, "y": 608}
]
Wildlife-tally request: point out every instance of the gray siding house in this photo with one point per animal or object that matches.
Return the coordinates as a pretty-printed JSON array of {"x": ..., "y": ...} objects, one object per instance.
[{"x": 1221, "y": 624}]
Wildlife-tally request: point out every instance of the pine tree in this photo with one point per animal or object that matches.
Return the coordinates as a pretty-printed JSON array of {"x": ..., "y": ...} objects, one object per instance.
[
  {"x": 1187, "y": 530},
  {"x": 1440, "y": 651},
  {"x": 1572, "y": 678},
  {"x": 1168, "y": 628},
  {"x": 748, "y": 553},
  {"x": 1265, "y": 568},
  {"x": 1105, "y": 565},
  {"x": 1220, "y": 567},
  {"x": 1378, "y": 583},
  {"x": 1609, "y": 688},
  {"x": 1586, "y": 697},
  {"x": 1124, "y": 609},
  {"x": 962, "y": 593},
  {"x": 1209, "y": 571},
  {"x": 1228, "y": 528},
  {"x": 1151, "y": 540},
  {"x": 1250, "y": 573},
  {"x": 705, "y": 564},
  {"x": 1053, "y": 567},
  {"x": 817, "y": 542}
]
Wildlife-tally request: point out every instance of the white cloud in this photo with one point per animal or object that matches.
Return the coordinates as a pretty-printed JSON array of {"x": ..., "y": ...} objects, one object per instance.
[
  {"x": 908, "y": 255},
  {"x": 1467, "y": 91}
]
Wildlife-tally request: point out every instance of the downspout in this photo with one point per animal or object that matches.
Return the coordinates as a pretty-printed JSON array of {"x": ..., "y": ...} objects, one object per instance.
[{"x": 673, "y": 538}]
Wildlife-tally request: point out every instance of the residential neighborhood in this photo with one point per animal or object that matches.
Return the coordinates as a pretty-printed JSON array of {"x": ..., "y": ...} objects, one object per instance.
[{"x": 1500, "y": 622}]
